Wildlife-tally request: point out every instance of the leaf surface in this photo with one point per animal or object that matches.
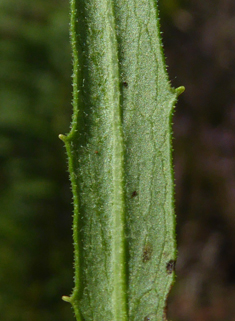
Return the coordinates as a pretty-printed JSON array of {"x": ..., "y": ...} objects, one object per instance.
[{"x": 119, "y": 151}]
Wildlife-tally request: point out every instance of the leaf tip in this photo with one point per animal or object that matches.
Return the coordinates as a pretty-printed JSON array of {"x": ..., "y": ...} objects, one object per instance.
[
  {"x": 66, "y": 298},
  {"x": 180, "y": 90},
  {"x": 62, "y": 137}
]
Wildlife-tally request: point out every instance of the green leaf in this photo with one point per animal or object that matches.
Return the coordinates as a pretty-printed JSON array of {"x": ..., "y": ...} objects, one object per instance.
[{"x": 119, "y": 151}]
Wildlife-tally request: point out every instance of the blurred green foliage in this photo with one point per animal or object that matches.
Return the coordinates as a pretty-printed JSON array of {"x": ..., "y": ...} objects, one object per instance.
[{"x": 35, "y": 213}]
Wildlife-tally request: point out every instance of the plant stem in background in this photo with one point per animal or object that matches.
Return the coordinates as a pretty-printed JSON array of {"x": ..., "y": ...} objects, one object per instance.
[{"x": 119, "y": 152}]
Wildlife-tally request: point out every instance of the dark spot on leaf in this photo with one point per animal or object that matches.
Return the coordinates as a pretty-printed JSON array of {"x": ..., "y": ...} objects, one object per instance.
[
  {"x": 134, "y": 194},
  {"x": 170, "y": 267},
  {"x": 125, "y": 84},
  {"x": 147, "y": 252}
]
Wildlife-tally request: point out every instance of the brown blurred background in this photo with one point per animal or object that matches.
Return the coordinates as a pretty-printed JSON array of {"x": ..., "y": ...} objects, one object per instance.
[
  {"x": 35, "y": 212},
  {"x": 199, "y": 39}
]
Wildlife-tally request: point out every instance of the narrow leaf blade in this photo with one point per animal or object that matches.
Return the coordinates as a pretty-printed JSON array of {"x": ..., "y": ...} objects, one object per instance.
[{"x": 119, "y": 151}]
